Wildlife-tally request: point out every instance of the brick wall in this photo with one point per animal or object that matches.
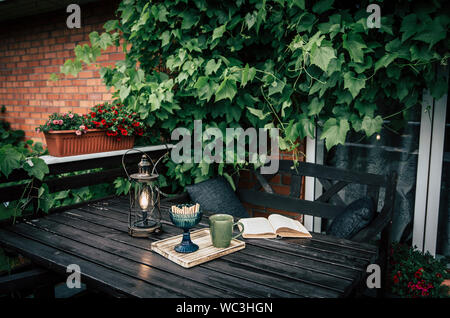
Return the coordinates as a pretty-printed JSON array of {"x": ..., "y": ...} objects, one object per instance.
[
  {"x": 31, "y": 48},
  {"x": 280, "y": 184}
]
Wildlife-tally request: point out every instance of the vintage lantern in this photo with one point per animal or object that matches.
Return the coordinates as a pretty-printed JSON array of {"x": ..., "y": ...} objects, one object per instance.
[{"x": 144, "y": 216}]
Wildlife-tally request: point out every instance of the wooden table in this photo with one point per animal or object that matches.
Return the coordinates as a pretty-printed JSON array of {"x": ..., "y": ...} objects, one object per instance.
[{"x": 95, "y": 238}]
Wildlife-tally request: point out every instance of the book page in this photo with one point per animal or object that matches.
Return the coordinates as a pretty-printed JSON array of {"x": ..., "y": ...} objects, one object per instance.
[
  {"x": 287, "y": 227},
  {"x": 258, "y": 227}
]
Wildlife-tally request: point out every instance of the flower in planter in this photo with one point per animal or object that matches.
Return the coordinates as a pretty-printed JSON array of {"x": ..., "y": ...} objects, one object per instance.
[
  {"x": 66, "y": 121},
  {"x": 116, "y": 119},
  {"x": 415, "y": 274}
]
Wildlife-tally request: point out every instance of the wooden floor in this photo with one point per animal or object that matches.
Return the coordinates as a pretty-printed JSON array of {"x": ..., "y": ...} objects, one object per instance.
[{"x": 95, "y": 237}]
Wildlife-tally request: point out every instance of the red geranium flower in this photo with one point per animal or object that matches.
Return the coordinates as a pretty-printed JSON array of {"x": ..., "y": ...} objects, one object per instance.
[
  {"x": 124, "y": 132},
  {"x": 93, "y": 115},
  {"x": 395, "y": 279},
  {"x": 103, "y": 122}
]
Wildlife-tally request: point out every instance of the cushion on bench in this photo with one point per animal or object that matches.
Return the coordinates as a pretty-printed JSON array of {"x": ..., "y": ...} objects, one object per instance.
[
  {"x": 356, "y": 216},
  {"x": 216, "y": 196}
]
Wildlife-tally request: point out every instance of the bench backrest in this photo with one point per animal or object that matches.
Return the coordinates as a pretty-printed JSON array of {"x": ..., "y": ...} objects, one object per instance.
[{"x": 333, "y": 180}]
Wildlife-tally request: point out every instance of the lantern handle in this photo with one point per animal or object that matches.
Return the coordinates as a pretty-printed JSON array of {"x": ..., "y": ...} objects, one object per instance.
[
  {"x": 153, "y": 163},
  {"x": 123, "y": 160}
]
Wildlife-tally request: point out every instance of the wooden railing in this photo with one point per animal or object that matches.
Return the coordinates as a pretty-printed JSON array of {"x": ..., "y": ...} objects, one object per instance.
[{"x": 109, "y": 162}]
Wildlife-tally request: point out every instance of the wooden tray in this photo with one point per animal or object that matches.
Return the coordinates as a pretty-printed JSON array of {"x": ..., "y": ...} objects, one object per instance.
[{"x": 205, "y": 253}]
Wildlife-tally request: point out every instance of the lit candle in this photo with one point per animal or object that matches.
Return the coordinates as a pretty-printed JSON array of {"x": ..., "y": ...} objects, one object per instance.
[{"x": 144, "y": 199}]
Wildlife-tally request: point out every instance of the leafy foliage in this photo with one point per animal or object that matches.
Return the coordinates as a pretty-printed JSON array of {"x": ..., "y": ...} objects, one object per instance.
[
  {"x": 289, "y": 64},
  {"x": 414, "y": 274}
]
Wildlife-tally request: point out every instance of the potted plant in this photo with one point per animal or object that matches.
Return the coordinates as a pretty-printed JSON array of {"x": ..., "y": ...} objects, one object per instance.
[
  {"x": 116, "y": 120},
  {"x": 414, "y": 274},
  {"x": 106, "y": 128}
]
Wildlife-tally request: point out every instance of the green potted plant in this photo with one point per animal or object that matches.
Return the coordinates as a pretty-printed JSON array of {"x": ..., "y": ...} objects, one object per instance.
[
  {"x": 413, "y": 274},
  {"x": 106, "y": 128}
]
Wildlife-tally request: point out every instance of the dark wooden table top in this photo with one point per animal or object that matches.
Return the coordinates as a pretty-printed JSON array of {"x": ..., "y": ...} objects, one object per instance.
[{"x": 95, "y": 237}]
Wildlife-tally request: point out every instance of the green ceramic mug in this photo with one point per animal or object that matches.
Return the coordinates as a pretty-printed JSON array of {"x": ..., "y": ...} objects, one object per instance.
[{"x": 221, "y": 229}]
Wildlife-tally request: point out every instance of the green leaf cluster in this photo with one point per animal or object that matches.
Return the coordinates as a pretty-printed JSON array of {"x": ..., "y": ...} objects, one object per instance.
[{"x": 291, "y": 64}]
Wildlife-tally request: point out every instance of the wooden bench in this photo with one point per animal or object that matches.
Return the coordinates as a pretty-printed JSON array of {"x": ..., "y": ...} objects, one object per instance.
[{"x": 332, "y": 180}]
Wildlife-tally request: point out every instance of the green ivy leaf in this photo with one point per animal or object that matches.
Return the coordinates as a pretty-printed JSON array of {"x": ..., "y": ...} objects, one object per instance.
[
  {"x": 230, "y": 180},
  {"x": 365, "y": 108},
  {"x": 111, "y": 25},
  {"x": 354, "y": 85},
  {"x": 439, "y": 88},
  {"x": 315, "y": 106},
  {"x": 276, "y": 87},
  {"x": 409, "y": 26},
  {"x": 227, "y": 89},
  {"x": 38, "y": 168},
  {"x": 322, "y": 6},
  {"x": 10, "y": 159},
  {"x": 124, "y": 92},
  {"x": 372, "y": 125},
  {"x": 432, "y": 32},
  {"x": 71, "y": 67},
  {"x": 218, "y": 32},
  {"x": 190, "y": 18},
  {"x": 321, "y": 56},
  {"x": 212, "y": 67},
  {"x": 354, "y": 44},
  {"x": 258, "y": 113},
  {"x": 334, "y": 132},
  {"x": 250, "y": 20},
  {"x": 385, "y": 60}
]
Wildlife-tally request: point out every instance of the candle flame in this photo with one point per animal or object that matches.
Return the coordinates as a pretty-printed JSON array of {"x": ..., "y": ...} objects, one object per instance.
[{"x": 144, "y": 199}]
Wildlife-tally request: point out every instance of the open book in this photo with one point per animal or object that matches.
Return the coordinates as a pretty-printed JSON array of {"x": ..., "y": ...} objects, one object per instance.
[{"x": 275, "y": 225}]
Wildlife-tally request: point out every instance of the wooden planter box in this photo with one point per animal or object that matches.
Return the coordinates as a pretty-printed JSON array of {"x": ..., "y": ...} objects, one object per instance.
[{"x": 61, "y": 143}]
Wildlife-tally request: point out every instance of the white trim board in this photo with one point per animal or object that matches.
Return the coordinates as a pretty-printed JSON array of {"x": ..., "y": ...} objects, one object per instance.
[{"x": 49, "y": 160}]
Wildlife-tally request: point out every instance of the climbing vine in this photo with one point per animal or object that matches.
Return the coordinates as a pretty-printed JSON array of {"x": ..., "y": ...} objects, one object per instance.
[{"x": 291, "y": 64}]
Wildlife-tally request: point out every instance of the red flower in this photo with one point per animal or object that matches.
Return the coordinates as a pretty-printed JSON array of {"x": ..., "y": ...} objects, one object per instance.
[
  {"x": 103, "y": 122},
  {"x": 395, "y": 279},
  {"x": 116, "y": 112},
  {"x": 135, "y": 124},
  {"x": 124, "y": 132},
  {"x": 93, "y": 114},
  {"x": 418, "y": 274},
  {"x": 140, "y": 133}
]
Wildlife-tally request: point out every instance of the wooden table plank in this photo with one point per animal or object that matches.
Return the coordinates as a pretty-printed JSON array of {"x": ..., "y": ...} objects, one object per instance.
[
  {"x": 168, "y": 228},
  {"x": 249, "y": 288},
  {"x": 343, "y": 256},
  {"x": 95, "y": 236},
  {"x": 219, "y": 283},
  {"x": 153, "y": 276},
  {"x": 103, "y": 278},
  {"x": 301, "y": 287}
]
